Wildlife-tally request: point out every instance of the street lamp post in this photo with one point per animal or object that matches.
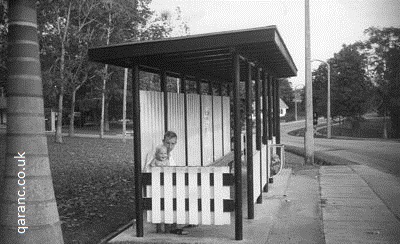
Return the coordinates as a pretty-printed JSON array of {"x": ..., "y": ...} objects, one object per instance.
[
  {"x": 328, "y": 114},
  {"x": 296, "y": 100}
]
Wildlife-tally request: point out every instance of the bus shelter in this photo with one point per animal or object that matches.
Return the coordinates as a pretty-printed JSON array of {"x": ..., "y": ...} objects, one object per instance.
[{"x": 242, "y": 69}]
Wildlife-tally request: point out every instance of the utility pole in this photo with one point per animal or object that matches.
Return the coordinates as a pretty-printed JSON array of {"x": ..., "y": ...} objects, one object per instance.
[{"x": 309, "y": 133}]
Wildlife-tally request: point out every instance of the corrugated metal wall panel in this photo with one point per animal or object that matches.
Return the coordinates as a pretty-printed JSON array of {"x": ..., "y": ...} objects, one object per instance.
[
  {"x": 207, "y": 129},
  {"x": 152, "y": 125},
  {"x": 217, "y": 116},
  {"x": 227, "y": 124},
  {"x": 193, "y": 116},
  {"x": 152, "y": 121},
  {"x": 176, "y": 123}
]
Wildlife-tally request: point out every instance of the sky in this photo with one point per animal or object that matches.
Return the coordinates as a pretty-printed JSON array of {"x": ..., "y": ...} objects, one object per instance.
[{"x": 332, "y": 22}]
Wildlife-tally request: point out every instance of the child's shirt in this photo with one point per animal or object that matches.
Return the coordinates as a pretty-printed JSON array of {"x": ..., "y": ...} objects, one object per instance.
[{"x": 158, "y": 163}]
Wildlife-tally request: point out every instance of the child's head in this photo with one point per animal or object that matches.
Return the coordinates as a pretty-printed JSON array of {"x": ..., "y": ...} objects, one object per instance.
[
  {"x": 276, "y": 159},
  {"x": 161, "y": 153}
]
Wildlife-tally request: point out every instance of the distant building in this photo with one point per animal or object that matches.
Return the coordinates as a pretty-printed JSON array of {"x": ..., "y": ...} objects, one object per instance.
[{"x": 283, "y": 107}]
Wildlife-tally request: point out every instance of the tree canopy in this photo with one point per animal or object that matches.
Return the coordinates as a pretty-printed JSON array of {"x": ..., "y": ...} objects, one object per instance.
[
  {"x": 286, "y": 92},
  {"x": 66, "y": 30},
  {"x": 383, "y": 49},
  {"x": 365, "y": 76},
  {"x": 350, "y": 87}
]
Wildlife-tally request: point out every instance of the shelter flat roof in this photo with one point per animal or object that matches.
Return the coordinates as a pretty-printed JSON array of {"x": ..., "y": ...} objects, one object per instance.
[{"x": 204, "y": 55}]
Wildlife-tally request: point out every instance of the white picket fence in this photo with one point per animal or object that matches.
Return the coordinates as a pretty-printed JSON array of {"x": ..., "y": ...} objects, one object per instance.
[{"x": 188, "y": 195}]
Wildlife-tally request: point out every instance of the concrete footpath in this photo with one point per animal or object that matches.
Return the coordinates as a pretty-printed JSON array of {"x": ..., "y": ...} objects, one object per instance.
[{"x": 354, "y": 205}]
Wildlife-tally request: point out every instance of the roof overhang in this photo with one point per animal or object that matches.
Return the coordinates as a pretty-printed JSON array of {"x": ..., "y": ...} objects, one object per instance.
[{"x": 204, "y": 55}]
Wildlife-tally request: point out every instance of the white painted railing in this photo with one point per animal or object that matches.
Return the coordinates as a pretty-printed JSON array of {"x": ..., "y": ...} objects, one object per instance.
[{"x": 188, "y": 195}]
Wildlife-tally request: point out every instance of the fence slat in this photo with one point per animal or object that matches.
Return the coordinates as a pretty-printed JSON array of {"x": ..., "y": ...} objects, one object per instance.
[
  {"x": 168, "y": 196},
  {"x": 193, "y": 196},
  {"x": 149, "y": 212},
  {"x": 155, "y": 193},
  {"x": 180, "y": 195},
  {"x": 218, "y": 196},
  {"x": 205, "y": 196}
]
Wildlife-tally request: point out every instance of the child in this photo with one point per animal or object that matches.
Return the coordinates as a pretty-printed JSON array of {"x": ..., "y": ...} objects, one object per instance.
[
  {"x": 275, "y": 164},
  {"x": 160, "y": 157}
]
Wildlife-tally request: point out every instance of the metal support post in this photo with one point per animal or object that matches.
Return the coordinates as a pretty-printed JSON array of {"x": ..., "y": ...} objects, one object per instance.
[
  {"x": 183, "y": 79},
  {"x": 265, "y": 101},
  {"x": 258, "y": 126},
  {"x": 237, "y": 150},
  {"x": 137, "y": 150},
  {"x": 270, "y": 108},
  {"x": 249, "y": 145},
  {"x": 277, "y": 115}
]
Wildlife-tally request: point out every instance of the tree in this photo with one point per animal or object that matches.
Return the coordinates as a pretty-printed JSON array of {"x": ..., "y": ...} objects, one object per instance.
[
  {"x": 55, "y": 19},
  {"x": 383, "y": 50},
  {"x": 286, "y": 92},
  {"x": 351, "y": 89},
  {"x": 82, "y": 29},
  {"x": 129, "y": 21},
  {"x": 120, "y": 23},
  {"x": 26, "y": 142}
]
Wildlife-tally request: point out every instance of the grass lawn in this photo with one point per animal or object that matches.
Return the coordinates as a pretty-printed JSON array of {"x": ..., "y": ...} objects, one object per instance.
[
  {"x": 115, "y": 129},
  {"x": 369, "y": 128},
  {"x": 93, "y": 183}
]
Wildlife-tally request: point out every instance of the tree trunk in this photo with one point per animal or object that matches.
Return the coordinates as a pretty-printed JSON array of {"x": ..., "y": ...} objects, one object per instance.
[
  {"x": 103, "y": 101},
  {"x": 58, "y": 138},
  {"x": 63, "y": 39},
  {"x": 105, "y": 77},
  {"x": 72, "y": 119},
  {"x": 106, "y": 117},
  {"x": 26, "y": 142},
  {"x": 385, "y": 136}
]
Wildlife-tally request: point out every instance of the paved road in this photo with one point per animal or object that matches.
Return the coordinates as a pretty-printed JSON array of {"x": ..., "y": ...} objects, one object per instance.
[{"x": 383, "y": 155}]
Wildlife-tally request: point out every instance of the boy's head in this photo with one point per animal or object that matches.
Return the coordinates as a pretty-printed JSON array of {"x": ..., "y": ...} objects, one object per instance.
[
  {"x": 169, "y": 141},
  {"x": 161, "y": 153}
]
